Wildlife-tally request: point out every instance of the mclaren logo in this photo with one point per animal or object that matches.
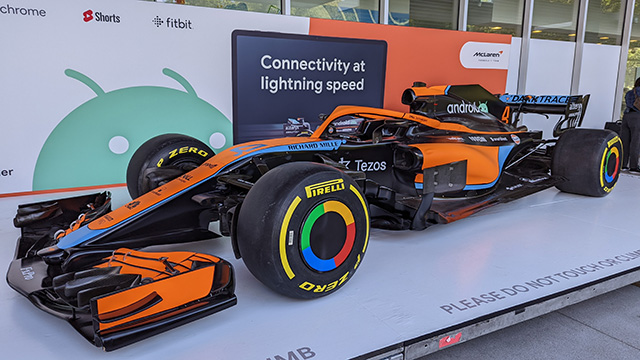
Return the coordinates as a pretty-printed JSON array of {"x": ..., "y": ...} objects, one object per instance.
[
  {"x": 483, "y": 54},
  {"x": 324, "y": 187}
]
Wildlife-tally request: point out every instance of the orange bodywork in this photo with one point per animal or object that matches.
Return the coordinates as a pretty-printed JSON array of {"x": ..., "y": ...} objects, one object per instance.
[
  {"x": 159, "y": 298},
  {"x": 376, "y": 113},
  {"x": 478, "y": 157},
  {"x": 483, "y": 165}
]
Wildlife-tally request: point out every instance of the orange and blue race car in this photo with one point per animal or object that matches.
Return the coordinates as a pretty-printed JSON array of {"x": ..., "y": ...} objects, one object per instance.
[{"x": 298, "y": 210}]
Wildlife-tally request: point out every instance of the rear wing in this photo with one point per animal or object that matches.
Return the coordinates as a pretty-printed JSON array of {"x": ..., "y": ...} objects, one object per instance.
[
  {"x": 473, "y": 100},
  {"x": 572, "y": 107}
]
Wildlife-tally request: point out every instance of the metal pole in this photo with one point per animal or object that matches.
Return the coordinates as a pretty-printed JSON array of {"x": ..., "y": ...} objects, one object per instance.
[
  {"x": 524, "y": 46},
  {"x": 286, "y": 7},
  {"x": 622, "y": 64},
  {"x": 383, "y": 13},
  {"x": 463, "y": 11},
  {"x": 579, "y": 50}
]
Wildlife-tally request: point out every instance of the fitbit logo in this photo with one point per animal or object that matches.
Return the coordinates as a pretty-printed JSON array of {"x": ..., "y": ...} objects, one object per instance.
[
  {"x": 98, "y": 16},
  {"x": 15, "y": 10},
  {"x": 172, "y": 23}
]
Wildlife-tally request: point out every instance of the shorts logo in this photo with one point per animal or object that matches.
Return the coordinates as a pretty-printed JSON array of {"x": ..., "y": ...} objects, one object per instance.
[
  {"x": 324, "y": 187},
  {"x": 88, "y": 15},
  {"x": 98, "y": 16}
]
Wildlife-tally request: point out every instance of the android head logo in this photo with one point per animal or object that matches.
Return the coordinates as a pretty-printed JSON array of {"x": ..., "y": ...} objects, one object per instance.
[
  {"x": 483, "y": 107},
  {"x": 92, "y": 145}
]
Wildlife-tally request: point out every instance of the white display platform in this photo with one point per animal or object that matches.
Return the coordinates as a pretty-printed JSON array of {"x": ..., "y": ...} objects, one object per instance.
[{"x": 509, "y": 262}]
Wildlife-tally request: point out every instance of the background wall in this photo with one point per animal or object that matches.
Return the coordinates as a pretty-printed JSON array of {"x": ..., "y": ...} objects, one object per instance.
[
  {"x": 598, "y": 75},
  {"x": 89, "y": 81}
]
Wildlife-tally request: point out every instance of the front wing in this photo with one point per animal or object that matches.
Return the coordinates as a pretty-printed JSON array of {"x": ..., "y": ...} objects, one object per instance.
[{"x": 120, "y": 298}]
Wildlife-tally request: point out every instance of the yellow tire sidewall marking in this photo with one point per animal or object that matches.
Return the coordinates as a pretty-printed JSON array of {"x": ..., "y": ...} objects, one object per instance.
[{"x": 283, "y": 237}]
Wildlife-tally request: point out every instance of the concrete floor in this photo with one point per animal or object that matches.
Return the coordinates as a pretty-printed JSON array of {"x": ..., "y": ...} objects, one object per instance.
[{"x": 605, "y": 327}]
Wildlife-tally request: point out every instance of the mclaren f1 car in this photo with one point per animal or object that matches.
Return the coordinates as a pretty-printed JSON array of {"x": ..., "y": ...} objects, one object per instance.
[{"x": 297, "y": 210}]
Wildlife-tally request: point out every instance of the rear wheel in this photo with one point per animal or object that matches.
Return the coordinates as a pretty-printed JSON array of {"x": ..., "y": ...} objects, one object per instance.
[
  {"x": 303, "y": 229},
  {"x": 589, "y": 160},
  {"x": 173, "y": 154}
]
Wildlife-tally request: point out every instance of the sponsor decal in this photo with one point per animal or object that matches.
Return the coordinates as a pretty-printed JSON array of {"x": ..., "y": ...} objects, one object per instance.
[
  {"x": 324, "y": 187},
  {"x": 183, "y": 150},
  {"x": 368, "y": 166},
  {"x": 132, "y": 205},
  {"x": 478, "y": 138},
  {"x": 27, "y": 272},
  {"x": 481, "y": 55},
  {"x": 467, "y": 108},
  {"x": 536, "y": 99},
  {"x": 362, "y": 165},
  {"x": 21, "y": 11},
  {"x": 99, "y": 16},
  {"x": 515, "y": 139},
  {"x": 321, "y": 145},
  {"x": 345, "y": 162},
  {"x": 499, "y": 138},
  {"x": 173, "y": 23},
  {"x": 449, "y": 340},
  {"x": 307, "y": 286},
  {"x": 514, "y": 187}
]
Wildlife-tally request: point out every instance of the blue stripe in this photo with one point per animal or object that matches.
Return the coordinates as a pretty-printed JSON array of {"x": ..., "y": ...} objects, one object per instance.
[
  {"x": 503, "y": 152},
  {"x": 84, "y": 234}
]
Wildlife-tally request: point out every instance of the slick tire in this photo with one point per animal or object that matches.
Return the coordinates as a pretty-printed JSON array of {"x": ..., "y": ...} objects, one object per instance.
[
  {"x": 303, "y": 229},
  {"x": 589, "y": 160},
  {"x": 180, "y": 152}
]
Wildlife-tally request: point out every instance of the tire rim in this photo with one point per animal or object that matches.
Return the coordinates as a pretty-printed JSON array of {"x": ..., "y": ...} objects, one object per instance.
[
  {"x": 611, "y": 166},
  {"x": 327, "y": 236}
]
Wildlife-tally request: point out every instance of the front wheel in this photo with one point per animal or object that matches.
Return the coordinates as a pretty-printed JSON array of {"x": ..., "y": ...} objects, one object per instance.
[
  {"x": 162, "y": 159},
  {"x": 588, "y": 160},
  {"x": 303, "y": 229}
]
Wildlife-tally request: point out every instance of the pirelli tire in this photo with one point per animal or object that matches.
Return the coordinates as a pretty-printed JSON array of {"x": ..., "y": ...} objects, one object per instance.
[
  {"x": 303, "y": 229},
  {"x": 589, "y": 161},
  {"x": 180, "y": 152}
]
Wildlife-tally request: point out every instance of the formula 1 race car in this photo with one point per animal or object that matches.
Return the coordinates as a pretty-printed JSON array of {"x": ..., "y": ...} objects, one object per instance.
[{"x": 298, "y": 210}]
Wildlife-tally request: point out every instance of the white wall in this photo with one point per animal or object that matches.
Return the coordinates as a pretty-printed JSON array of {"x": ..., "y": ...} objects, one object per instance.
[
  {"x": 514, "y": 66},
  {"x": 598, "y": 78},
  {"x": 549, "y": 73}
]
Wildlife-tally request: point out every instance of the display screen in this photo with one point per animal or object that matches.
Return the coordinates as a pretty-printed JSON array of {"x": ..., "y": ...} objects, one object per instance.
[{"x": 282, "y": 83}]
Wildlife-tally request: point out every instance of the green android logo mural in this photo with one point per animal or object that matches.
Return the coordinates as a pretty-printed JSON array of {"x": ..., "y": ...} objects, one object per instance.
[{"x": 92, "y": 145}]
